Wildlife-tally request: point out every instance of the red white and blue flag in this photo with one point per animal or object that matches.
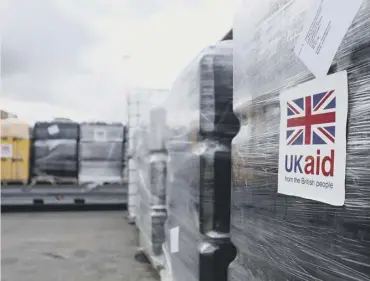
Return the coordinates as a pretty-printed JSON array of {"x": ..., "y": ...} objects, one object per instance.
[{"x": 311, "y": 119}]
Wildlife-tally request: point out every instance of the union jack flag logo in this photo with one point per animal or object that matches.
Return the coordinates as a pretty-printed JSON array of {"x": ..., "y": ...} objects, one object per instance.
[{"x": 311, "y": 119}]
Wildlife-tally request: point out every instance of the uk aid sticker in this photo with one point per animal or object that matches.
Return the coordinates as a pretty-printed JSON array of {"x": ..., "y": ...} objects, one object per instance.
[{"x": 312, "y": 149}]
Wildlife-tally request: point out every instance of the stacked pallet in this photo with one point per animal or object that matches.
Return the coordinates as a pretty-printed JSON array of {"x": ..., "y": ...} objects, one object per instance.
[
  {"x": 281, "y": 237},
  {"x": 54, "y": 153},
  {"x": 151, "y": 159},
  {"x": 101, "y": 153},
  {"x": 202, "y": 124}
]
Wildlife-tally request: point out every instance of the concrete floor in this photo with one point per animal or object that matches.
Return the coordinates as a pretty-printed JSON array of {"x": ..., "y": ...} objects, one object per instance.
[{"x": 73, "y": 246}]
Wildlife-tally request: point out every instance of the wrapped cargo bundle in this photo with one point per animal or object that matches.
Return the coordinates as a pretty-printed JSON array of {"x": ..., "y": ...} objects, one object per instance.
[
  {"x": 280, "y": 237},
  {"x": 96, "y": 151},
  {"x": 141, "y": 157},
  {"x": 55, "y": 157},
  {"x": 15, "y": 151},
  {"x": 54, "y": 154},
  {"x": 151, "y": 159},
  {"x": 56, "y": 130},
  {"x": 135, "y": 138},
  {"x": 101, "y": 153},
  {"x": 132, "y": 189},
  {"x": 202, "y": 124},
  {"x": 102, "y": 132},
  {"x": 125, "y": 154},
  {"x": 140, "y": 102}
]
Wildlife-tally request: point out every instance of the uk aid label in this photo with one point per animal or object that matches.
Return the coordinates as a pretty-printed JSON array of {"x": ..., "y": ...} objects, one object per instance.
[{"x": 312, "y": 150}]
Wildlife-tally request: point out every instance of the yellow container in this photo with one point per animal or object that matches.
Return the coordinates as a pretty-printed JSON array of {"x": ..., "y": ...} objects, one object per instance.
[
  {"x": 15, "y": 151},
  {"x": 15, "y": 159}
]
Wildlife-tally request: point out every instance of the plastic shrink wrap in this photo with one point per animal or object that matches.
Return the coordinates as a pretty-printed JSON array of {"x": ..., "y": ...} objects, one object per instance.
[
  {"x": 54, "y": 153},
  {"x": 202, "y": 125},
  {"x": 136, "y": 106},
  {"x": 132, "y": 188},
  {"x": 151, "y": 160},
  {"x": 56, "y": 130},
  {"x": 279, "y": 237},
  {"x": 55, "y": 158},
  {"x": 140, "y": 102},
  {"x": 125, "y": 154},
  {"x": 101, "y": 153}
]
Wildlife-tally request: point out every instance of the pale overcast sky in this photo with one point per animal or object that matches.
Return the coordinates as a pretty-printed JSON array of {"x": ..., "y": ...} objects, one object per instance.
[{"x": 74, "y": 58}]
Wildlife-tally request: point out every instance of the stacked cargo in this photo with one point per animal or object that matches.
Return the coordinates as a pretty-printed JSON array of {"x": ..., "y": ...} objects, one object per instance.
[
  {"x": 281, "y": 237},
  {"x": 151, "y": 159},
  {"x": 140, "y": 102},
  {"x": 54, "y": 158},
  {"x": 15, "y": 151},
  {"x": 125, "y": 156},
  {"x": 202, "y": 124},
  {"x": 132, "y": 187},
  {"x": 101, "y": 153}
]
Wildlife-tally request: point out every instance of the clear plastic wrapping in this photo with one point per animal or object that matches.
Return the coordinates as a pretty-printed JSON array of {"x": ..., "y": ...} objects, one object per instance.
[
  {"x": 54, "y": 151},
  {"x": 101, "y": 153},
  {"x": 141, "y": 157},
  {"x": 151, "y": 159},
  {"x": 183, "y": 210},
  {"x": 56, "y": 129},
  {"x": 102, "y": 132},
  {"x": 54, "y": 158},
  {"x": 280, "y": 237},
  {"x": 100, "y": 172},
  {"x": 139, "y": 106},
  {"x": 201, "y": 125}
]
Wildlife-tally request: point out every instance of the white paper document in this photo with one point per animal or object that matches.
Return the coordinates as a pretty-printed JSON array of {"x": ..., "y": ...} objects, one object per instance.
[
  {"x": 53, "y": 130},
  {"x": 325, "y": 27},
  {"x": 174, "y": 239},
  {"x": 6, "y": 150}
]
